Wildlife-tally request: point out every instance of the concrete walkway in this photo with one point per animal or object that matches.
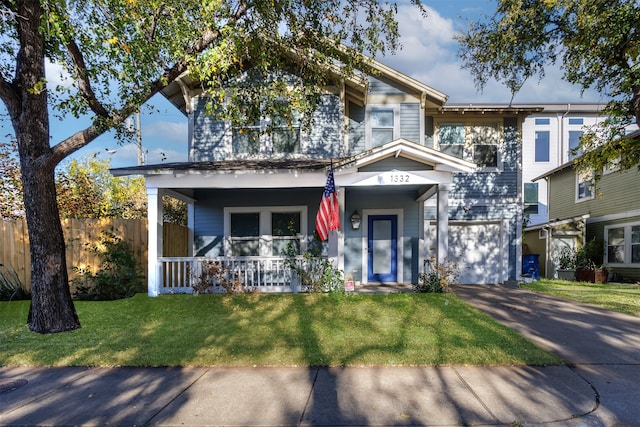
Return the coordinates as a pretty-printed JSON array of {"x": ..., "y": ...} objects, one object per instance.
[{"x": 601, "y": 387}]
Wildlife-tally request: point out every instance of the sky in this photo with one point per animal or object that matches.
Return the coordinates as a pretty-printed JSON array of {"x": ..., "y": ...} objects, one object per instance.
[{"x": 428, "y": 54}]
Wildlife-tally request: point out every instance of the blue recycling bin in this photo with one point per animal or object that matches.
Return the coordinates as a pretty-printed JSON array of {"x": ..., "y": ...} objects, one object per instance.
[{"x": 530, "y": 266}]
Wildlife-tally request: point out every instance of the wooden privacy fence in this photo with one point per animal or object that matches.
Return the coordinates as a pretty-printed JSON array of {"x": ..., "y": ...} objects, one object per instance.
[{"x": 80, "y": 234}]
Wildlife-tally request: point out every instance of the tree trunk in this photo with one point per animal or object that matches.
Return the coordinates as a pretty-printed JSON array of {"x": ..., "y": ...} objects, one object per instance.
[{"x": 51, "y": 308}]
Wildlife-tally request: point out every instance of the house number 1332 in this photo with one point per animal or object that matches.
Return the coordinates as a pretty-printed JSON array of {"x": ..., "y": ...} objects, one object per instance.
[{"x": 399, "y": 178}]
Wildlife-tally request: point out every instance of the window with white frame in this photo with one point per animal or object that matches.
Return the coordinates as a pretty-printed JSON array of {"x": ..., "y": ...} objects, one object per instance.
[
  {"x": 476, "y": 142},
  {"x": 267, "y": 135},
  {"x": 542, "y": 146},
  {"x": 264, "y": 231},
  {"x": 383, "y": 125},
  {"x": 584, "y": 186},
  {"x": 574, "y": 141},
  {"x": 623, "y": 244},
  {"x": 531, "y": 198},
  {"x": 451, "y": 138},
  {"x": 484, "y": 138}
]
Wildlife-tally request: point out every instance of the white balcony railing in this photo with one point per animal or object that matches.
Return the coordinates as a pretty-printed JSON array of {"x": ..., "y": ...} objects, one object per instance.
[{"x": 217, "y": 274}]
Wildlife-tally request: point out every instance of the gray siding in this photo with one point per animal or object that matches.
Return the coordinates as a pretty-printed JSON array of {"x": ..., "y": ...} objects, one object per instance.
[
  {"x": 399, "y": 163},
  {"x": 322, "y": 140},
  {"x": 384, "y": 86},
  {"x": 410, "y": 121},
  {"x": 208, "y": 135},
  {"x": 496, "y": 185}
]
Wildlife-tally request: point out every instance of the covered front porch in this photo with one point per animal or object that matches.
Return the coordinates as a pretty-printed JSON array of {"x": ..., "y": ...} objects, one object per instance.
[{"x": 389, "y": 183}]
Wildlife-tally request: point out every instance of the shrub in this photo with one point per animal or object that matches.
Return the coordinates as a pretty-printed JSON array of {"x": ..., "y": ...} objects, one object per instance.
[
  {"x": 214, "y": 273},
  {"x": 11, "y": 288},
  {"x": 118, "y": 276},
  {"x": 438, "y": 278},
  {"x": 315, "y": 273}
]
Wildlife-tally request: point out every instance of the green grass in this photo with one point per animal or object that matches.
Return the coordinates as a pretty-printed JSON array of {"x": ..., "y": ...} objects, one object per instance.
[
  {"x": 622, "y": 298},
  {"x": 270, "y": 330}
]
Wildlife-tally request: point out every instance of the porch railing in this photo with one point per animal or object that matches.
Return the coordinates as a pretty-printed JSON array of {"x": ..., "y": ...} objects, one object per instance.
[{"x": 262, "y": 274}]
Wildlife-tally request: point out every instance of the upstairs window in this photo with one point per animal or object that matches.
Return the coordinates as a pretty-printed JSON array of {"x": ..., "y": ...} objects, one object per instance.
[
  {"x": 542, "y": 121},
  {"x": 478, "y": 142},
  {"x": 574, "y": 141},
  {"x": 484, "y": 138},
  {"x": 382, "y": 124},
  {"x": 584, "y": 186},
  {"x": 267, "y": 135},
  {"x": 542, "y": 146},
  {"x": 451, "y": 139}
]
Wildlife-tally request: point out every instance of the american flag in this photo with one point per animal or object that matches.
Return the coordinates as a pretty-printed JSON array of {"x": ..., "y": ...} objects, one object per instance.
[{"x": 328, "y": 217}]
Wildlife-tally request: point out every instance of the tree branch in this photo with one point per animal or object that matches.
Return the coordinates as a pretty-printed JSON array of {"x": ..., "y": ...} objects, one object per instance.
[
  {"x": 82, "y": 138},
  {"x": 84, "y": 84}
]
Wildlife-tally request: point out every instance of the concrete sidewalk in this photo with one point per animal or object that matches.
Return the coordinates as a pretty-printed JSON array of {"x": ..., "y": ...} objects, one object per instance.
[
  {"x": 599, "y": 387},
  {"x": 447, "y": 396}
]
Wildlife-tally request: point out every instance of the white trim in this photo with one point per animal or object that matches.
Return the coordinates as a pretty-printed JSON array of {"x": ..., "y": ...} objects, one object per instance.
[
  {"x": 365, "y": 241},
  {"x": 614, "y": 217}
]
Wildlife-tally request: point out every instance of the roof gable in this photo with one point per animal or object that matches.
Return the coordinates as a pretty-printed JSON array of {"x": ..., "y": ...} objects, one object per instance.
[{"x": 433, "y": 159}]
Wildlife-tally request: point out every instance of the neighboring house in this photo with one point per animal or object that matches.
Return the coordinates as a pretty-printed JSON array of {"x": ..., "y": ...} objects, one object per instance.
[
  {"x": 580, "y": 212},
  {"x": 416, "y": 179}
]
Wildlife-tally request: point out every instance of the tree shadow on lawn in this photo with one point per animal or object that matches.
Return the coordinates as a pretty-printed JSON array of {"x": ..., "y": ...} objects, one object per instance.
[{"x": 318, "y": 391}]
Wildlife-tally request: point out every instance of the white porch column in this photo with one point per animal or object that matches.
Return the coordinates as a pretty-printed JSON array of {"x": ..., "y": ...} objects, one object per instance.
[
  {"x": 154, "y": 250},
  {"x": 339, "y": 235},
  {"x": 443, "y": 222},
  {"x": 191, "y": 222}
]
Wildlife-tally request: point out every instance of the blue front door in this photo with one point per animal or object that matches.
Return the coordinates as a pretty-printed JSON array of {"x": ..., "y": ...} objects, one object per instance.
[{"x": 382, "y": 248}]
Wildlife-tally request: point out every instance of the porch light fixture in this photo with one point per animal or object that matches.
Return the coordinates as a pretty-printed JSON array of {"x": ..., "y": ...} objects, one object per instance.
[{"x": 355, "y": 220}]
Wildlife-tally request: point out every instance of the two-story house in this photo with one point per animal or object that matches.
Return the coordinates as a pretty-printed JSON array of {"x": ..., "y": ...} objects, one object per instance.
[
  {"x": 608, "y": 213},
  {"x": 415, "y": 177}
]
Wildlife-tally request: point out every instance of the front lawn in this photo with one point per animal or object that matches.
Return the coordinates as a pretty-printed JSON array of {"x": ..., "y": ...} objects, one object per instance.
[
  {"x": 622, "y": 298},
  {"x": 263, "y": 329}
]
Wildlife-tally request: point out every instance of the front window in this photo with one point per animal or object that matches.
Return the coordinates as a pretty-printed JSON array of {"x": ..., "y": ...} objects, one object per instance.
[
  {"x": 623, "y": 244},
  {"x": 285, "y": 229},
  {"x": 265, "y": 231},
  {"x": 245, "y": 234}
]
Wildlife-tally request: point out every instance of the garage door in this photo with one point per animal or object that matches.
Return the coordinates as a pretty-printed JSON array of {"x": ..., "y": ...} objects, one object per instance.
[{"x": 478, "y": 250}]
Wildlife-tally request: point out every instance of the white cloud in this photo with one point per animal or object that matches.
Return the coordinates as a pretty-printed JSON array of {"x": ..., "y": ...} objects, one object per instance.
[
  {"x": 429, "y": 55},
  {"x": 57, "y": 75}
]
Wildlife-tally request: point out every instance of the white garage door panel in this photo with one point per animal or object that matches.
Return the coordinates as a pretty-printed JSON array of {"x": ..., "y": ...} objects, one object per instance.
[{"x": 477, "y": 248}]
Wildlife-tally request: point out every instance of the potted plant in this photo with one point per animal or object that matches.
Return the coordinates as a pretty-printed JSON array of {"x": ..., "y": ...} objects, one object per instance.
[
  {"x": 601, "y": 274},
  {"x": 587, "y": 257},
  {"x": 567, "y": 264}
]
